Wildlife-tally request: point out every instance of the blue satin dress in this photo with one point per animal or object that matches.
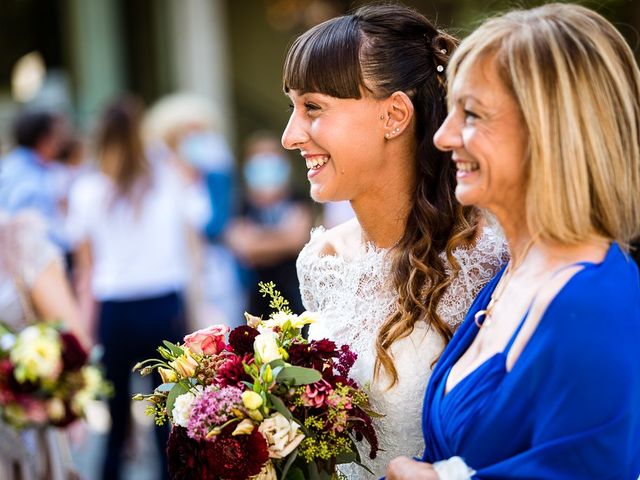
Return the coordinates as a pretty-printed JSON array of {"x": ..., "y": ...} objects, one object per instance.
[{"x": 570, "y": 407}]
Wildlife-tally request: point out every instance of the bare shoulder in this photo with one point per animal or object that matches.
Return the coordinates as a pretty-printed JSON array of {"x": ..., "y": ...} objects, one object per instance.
[{"x": 338, "y": 241}]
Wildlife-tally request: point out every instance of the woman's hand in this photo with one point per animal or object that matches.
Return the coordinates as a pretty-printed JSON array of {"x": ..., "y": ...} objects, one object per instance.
[{"x": 403, "y": 468}]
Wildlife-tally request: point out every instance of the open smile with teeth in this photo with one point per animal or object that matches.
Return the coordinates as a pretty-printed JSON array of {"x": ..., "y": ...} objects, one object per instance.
[
  {"x": 314, "y": 163},
  {"x": 467, "y": 166}
]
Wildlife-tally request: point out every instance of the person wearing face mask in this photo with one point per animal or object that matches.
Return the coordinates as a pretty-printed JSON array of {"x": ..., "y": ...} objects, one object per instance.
[
  {"x": 274, "y": 225},
  {"x": 181, "y": 127}
]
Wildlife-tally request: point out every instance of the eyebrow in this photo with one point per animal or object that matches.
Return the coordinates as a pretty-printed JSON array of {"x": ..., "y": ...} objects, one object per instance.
[{"x": 468, "y": 96}]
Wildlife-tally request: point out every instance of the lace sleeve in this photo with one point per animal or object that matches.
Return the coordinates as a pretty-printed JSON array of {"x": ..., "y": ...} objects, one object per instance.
[
  {"x": 478, "y": 265},
  {"x": 28, "y": 247}
]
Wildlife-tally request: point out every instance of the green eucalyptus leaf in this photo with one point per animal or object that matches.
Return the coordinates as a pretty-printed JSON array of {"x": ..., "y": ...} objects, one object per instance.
[
  {"x": 175, "y": 350},
  {"x": 278, "y": 362},
  {"x": 280, "y": 407},
  {"x": 346, "y": 457},
  {"x": 299, "y": 375},
  {"x": 177, "y": 390},
  {"x": 165, "y": 387},
  {"x": 290, "y": 459}
]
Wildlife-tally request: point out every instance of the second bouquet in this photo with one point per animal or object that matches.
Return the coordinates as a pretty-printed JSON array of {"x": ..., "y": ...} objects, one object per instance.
[{"x": 266, "y": 404}]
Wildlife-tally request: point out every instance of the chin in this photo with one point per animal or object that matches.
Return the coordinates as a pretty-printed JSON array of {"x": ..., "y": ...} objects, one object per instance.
[{"x": 466, "y": 196}]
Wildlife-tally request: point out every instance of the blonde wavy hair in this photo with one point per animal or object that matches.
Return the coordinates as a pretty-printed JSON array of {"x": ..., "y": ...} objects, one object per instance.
[{"x": 577, "y": 84}]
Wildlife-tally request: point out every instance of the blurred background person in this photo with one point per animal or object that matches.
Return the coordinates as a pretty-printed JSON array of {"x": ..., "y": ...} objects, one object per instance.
[
  {"x": 33, "y": 286},
  {"x": 129, "y": 223},
  {"x": 182, "y": 127},
  {"x": 274, "y": 225},
  {"x": 27, "y": 171}
]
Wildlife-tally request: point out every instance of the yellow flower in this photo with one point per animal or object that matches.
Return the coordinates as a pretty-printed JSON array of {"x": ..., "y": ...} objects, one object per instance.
[
  {"x": 167, "y": 375},
  {"x": 268, "y": 472},
  {"x": 251, "y": 400},
  {"x": 184, "y": 365},
  {"x": 245, "y": 427}
]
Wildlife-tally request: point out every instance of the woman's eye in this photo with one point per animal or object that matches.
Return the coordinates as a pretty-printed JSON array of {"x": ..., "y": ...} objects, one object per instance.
[
  {"x": 290, "y": 108},
  {"x": 470, "y": 116},
  {"x": 311, "y": 107}
]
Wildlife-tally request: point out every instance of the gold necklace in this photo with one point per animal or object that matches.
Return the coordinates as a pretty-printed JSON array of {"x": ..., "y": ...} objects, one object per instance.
[{"x": 500, "y": 288}]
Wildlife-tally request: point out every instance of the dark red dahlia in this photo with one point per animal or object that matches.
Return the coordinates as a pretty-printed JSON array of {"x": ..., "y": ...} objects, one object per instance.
[
  {"x": 184, "y": 456},
  {"x": 316, "y": 354},
  {"x": 239, "y": 457},
  {"x": 241, "y": 339},
  {"x": 231, "y": 373},
  {"x": 74, "y": 356}
]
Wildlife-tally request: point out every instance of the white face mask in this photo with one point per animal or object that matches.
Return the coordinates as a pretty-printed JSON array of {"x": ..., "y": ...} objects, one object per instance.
[
  {"x": 205, "y": 151},
  {"x": 266, "y": 171}
]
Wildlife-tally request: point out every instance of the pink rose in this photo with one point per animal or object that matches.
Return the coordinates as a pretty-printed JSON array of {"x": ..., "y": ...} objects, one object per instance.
[{"x": 208, "y": 341}]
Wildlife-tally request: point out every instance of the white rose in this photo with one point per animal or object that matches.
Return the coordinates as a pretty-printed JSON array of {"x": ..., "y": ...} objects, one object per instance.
[
  {"x": 182, "y": 408},
  {"x": 266, "y": 346},
  {"x": 282, "y": 435}
]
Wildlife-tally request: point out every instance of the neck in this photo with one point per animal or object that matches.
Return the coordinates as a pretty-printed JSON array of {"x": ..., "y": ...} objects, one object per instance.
[
  {"x": 516, "y": 233},
  {"x": 382, "y": 213}
]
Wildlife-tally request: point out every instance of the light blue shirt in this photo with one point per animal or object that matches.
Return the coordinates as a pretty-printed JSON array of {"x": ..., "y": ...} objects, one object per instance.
[{"x": 27, "y": 183}]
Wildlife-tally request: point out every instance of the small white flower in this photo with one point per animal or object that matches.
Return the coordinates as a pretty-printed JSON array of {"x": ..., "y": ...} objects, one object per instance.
[
  {"x": 282, "y": 435},
  {"x": 182, "y": 407}
]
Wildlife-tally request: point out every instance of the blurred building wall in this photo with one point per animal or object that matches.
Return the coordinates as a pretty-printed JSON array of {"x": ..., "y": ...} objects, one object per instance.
[{"x": 230, "y": 51}]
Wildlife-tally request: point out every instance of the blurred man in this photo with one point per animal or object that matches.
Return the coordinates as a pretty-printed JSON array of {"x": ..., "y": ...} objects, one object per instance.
[{"x": 27, "y": 181}]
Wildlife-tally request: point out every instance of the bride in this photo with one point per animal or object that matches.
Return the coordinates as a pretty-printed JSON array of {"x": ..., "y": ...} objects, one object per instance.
[{"x": 367, "y": 93}]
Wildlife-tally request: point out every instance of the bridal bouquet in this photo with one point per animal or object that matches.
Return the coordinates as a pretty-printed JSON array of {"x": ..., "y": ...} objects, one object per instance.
[
  {"x": 266, "y": 405},
  {"x": 45, "y": 377}
]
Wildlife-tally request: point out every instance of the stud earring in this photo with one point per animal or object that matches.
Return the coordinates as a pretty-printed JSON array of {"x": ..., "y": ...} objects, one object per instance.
[
  {"x": 387, "y": 135},
  {"x": 382, "y": 117}
]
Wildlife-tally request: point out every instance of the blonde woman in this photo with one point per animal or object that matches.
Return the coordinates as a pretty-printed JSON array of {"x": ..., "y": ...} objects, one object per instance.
[
  {"x": 543, "y": 378},
  {"x": 367, "y": 92}
]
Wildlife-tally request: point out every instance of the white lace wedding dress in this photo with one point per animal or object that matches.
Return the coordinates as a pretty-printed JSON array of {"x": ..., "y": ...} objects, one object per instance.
[{"x": 353, "y": 297}]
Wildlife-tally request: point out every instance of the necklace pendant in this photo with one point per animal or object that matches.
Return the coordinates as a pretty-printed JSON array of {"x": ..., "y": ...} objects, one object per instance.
[{"x": 479, "y": 314}]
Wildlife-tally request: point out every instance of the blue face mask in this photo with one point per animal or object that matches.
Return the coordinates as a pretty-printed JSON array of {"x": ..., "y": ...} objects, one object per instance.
[
  {"x": 206, "y": 151},
  {"x": 266, "y": 171}
]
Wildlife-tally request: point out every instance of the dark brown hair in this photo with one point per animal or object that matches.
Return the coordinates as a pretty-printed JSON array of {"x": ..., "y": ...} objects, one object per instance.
[
  {"x": 382, "y": 49},
  {"x": 120, "y": 149}
]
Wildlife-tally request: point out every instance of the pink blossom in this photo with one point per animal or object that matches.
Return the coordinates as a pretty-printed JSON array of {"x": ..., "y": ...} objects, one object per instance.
[
  {"x": 212, "y": 409},
  {"x": 208, "y": 341},
  {"x": 316, "y": 394}
]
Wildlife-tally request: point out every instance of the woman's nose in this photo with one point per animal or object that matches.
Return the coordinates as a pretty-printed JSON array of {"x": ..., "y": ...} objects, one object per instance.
[
  {"x": 449, "y": 135},
  {"x": 294, "y": 134}
]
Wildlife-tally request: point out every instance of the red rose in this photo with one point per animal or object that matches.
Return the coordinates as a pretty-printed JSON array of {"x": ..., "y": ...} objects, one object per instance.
[{"x": 208, "y": 341}]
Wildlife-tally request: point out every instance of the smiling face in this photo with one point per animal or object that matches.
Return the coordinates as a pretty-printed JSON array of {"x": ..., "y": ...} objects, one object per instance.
[
  {"x": 486, "y": 134},
  {"x": 342, "y": 142}
]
